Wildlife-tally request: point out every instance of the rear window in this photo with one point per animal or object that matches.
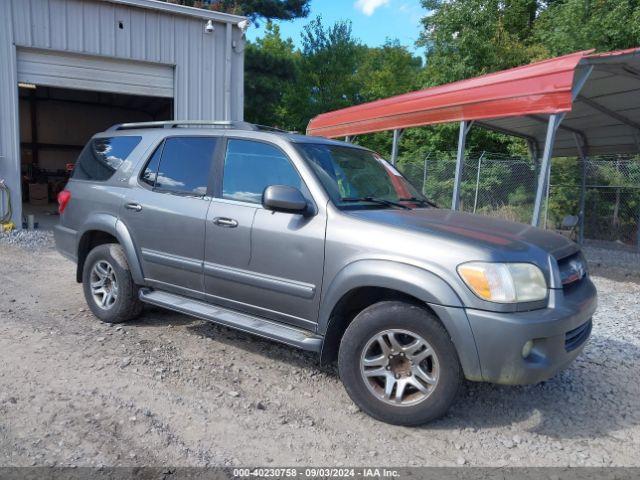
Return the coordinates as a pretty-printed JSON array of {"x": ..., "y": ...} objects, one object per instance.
[
  {"x": 101, "y": 157},
  {"x": 181, "y": 165}
]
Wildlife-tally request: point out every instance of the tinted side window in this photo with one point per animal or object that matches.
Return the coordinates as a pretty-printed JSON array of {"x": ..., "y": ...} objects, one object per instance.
[
  {"x": 185, "y": 165},
  {"x": 101, "y": 157},
  {"x": 250, "y": 167}
]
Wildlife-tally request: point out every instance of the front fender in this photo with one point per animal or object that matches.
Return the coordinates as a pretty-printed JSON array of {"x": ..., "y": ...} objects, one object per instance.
[
  {"x": 110, "y": 224},
  {"x": 413, "y": 281},
  {"x": 409, "y": 279}
]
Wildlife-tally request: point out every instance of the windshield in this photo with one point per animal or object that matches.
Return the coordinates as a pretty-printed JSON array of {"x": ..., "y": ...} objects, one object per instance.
[{"x": 357, "y": 178}]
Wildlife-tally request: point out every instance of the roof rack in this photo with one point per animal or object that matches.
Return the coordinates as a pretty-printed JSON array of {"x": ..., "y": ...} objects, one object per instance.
[{"x": 196, "y": 123}]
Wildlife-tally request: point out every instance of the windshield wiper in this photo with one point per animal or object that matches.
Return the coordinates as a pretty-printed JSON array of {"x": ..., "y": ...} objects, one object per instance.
[
  {"x": 379, "y": 201},
  {"x": 419, "y": 200}
]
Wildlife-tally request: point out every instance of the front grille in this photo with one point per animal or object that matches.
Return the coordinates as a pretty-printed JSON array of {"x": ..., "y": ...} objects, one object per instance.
[
  {"x": 576, "y": 337},
  {"x": 572, "y": 269}
]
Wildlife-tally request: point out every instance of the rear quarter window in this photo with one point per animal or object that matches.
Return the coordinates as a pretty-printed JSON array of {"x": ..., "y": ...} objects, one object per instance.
[{"x": 101, "y": 157}]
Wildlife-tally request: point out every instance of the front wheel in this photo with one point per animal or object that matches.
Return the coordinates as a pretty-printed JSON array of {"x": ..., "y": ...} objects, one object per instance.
[
  {"x": 108, "y": 287},
  {"x": 398, "y": 364}
]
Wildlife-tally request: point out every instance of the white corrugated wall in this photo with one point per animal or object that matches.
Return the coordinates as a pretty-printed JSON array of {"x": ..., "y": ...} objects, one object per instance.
[{"x": 209, "y": 68}]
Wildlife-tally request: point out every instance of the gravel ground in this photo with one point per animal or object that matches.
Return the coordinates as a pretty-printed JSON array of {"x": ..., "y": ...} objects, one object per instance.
[
  {"x": 614, "y": 264},
  {"x": 168, "y": 389},
  {"x": 28, "y": 239}
]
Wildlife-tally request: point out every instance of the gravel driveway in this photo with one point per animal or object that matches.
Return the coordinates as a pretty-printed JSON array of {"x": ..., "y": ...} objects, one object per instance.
[{"x": 171, "y": 390}]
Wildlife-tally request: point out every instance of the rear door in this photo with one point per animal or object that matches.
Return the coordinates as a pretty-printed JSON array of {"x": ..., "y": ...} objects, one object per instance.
[
  {"x": 166, "y": 213},
  {"x": 262, "y": 262}
]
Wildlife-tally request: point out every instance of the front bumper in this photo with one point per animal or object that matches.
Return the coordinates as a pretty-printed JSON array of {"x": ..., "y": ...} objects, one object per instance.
[{"x": 555, "y": 331}]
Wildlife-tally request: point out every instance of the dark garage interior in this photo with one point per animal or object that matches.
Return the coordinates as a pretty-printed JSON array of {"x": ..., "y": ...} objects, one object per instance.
[{"x": 55, "y": 124}]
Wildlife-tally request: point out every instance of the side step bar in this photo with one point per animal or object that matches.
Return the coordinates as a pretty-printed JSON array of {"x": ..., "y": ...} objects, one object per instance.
[{"x": 258, "y": 326}]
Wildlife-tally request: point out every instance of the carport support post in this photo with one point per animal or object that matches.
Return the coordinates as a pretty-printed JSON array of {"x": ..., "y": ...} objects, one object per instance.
[
  {"x": 397, "y": 135},
  {"x": 533, "y": 151},
  {"x": 462, "y": 140},
  {"x": 424, "y": 173},
  {"x": 545, "y": 168},
  {"x": 582, "y": 151},
  {"x": 475, "y": 200}
]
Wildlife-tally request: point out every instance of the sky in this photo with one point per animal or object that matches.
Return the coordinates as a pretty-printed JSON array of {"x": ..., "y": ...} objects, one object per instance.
[{"x": 373, "y": 20}]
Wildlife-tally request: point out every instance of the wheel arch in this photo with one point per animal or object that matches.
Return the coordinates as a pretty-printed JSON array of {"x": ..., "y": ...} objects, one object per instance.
[
  {"x": 410, "y": 280},
  {"x": 101, "y": 229},
  {"x": 366, "y": 282}
]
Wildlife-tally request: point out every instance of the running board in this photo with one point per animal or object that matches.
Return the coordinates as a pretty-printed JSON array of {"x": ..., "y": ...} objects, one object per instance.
[{"x": 295, "y": 337}]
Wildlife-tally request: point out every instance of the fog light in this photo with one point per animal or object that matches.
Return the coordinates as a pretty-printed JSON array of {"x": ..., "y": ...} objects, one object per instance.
[{"x": 526, "y": 349}]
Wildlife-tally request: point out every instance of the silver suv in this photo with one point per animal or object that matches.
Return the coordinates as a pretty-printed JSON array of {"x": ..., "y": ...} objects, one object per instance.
[{"x": 324, "y": 246}]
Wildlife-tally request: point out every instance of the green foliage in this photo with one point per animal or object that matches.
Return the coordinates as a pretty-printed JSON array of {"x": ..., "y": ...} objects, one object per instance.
[
  {"x": 383, "y": 72},
  {"x": 466, "y": 38},
  {"x": 271, "y": 66},
  {"x": 333, "y": 70},
  {"x": 388, "y": 70},
  {"x": 571, "y": 25},
  {"x": 565, "y": 178},
  {"x": 327, "y": 74}
]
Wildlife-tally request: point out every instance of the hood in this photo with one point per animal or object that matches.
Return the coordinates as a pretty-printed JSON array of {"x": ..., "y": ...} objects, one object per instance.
[{"x": 480, "y": 231}]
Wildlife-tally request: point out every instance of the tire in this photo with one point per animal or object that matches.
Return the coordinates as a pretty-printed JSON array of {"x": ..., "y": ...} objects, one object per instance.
[
  {"x": 109, "y": 261},
  {"x": 422, "y": 358}
]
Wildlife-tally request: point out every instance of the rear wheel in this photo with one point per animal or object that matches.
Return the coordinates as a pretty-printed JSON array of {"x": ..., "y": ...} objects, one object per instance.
[
  {"x": 398, "y": 364},
  {"x": 108, "y": 287}
]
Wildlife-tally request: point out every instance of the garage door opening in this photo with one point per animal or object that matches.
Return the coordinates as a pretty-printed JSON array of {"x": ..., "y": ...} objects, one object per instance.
[{"x": 55, "y": 124}]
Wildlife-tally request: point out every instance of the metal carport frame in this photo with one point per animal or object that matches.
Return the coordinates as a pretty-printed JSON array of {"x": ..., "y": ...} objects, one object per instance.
[{"x": 576, "y": 105}]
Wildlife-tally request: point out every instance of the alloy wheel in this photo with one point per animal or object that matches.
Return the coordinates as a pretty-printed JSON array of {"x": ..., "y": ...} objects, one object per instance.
[
  {"x": 399, "y": 367},
  {"x": 104, "y": 285}
]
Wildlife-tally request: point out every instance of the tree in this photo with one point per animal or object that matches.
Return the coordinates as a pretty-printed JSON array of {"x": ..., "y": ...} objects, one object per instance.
[
  {"x": 382, "y": 72},
  {"x": 388, "y": 70},
  {"x": 254, "y": 9},
  {"x": 286, "y": 87},
  {"x": 271, "y": 68},
  {"x": 572, "y": 25},
  {"x": 466, "y": 38},
  {"x": 328, "y": 68}
]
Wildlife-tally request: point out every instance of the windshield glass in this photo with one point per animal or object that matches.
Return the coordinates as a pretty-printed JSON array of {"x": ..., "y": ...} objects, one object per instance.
[{"x": 356, "y": 178}]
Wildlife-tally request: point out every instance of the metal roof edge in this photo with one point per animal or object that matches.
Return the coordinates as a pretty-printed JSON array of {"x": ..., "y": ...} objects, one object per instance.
[
  {"x": 578, "y": 56},
  {"x": 362, "y": 127},
  {"x": 569, "y": 64},
  {"x": 180, "y": 10},
  {"x": 611, "y": 57}
]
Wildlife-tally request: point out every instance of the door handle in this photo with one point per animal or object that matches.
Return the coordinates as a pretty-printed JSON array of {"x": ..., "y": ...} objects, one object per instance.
[
  {"x": 133, "y": 206},
  {"x": 225, "y": 222}
]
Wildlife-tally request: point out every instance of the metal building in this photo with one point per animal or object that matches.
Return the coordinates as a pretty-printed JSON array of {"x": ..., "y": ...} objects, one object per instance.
[{"x": 69, "y": 66}]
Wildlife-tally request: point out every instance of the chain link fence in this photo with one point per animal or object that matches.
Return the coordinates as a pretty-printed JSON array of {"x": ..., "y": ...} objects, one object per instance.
[
  {"x": 505, "y": 186},
  {"x": 611, "y": 197}
]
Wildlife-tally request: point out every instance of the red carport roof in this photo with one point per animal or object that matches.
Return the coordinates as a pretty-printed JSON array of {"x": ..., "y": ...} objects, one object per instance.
[{"x": 514, "y": 101}]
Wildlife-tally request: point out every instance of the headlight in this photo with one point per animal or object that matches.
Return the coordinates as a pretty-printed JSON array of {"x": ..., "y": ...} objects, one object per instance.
[{"x": 504, "y": 282}]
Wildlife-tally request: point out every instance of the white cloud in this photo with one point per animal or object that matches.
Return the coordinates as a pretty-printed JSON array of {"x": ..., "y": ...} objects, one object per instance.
[{"x": 368, "y": 7}]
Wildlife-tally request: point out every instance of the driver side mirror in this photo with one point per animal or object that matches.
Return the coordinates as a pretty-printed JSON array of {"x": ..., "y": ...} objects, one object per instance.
[{"x": 282, "y": 198}]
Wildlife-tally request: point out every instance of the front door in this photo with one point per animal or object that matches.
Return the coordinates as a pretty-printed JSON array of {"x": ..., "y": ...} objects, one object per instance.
[
  {"x": 166, "y": 213},
  {"x": 262, "y": 262}
]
